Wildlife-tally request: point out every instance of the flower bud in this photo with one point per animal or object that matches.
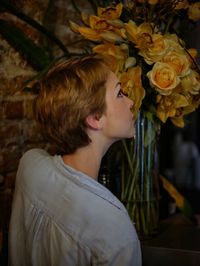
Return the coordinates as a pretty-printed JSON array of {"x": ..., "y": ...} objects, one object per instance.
[{"x": 130, "y": 62}]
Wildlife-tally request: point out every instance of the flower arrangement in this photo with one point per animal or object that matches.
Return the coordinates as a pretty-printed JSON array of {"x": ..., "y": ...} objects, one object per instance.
[
  {"x": 139, "y": 38},
  {"x": 141, "y": 41}
]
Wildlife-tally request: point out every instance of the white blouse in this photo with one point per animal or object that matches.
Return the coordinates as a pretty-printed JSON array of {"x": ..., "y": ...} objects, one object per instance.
[{"x": 61, "y": 217}]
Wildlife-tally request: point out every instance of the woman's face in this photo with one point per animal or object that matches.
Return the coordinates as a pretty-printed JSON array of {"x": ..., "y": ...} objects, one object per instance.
[{"x": 117, "y": 119}]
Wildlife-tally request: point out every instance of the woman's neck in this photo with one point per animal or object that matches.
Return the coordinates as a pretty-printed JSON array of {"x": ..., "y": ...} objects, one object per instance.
[{"x": 85, "y": 160}]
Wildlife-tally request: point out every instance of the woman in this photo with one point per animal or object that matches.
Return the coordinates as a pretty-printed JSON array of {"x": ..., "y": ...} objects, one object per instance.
[{"x": 61, "y": 215}]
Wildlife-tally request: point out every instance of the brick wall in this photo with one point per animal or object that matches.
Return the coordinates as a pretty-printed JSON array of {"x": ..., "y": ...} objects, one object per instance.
[{"x": 18, "y": 130}]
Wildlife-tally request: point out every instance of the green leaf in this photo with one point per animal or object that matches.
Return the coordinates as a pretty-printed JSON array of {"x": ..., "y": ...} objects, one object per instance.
[{"x": 150, "y": 135}]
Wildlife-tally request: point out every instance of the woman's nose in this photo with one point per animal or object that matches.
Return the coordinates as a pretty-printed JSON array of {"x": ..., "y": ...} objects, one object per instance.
[{"x": 130, "y": 102}]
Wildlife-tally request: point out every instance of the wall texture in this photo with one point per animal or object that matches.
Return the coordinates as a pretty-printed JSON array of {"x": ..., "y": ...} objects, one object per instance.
[{"x": 18, "y": 130}]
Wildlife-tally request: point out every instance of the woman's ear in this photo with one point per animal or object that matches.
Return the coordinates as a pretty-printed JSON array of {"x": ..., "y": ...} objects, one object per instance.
[{"x": 93, "y": 121}]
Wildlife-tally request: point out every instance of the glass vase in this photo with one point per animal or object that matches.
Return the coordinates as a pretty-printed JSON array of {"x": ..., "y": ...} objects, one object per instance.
[{"x": 140, "y": 176}]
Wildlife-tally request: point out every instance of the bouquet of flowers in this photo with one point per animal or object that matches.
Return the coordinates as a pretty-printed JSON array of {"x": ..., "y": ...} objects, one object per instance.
[
  {"x": 143, "y": 42},
  {"x": 140, "y": 40}
]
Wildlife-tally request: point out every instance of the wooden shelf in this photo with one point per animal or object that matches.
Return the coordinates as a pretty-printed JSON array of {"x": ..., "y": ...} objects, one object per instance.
[{"x": 175, "y": 244}]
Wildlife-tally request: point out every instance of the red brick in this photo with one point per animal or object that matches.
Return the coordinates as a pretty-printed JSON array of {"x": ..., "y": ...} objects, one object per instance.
[
  {"x": 10, "y": 133},
  {"x": 32, "y": 133},
  {"x": 14, "y": 109},
  {"x": 1, "y": 110},
  {"x": 1, "y": 239},
  {"x": 2, "y": 179},
  {"x": 5, "y": 207},
  {"x": 10, "y": 180},
  {"x": 11, "y": 160},
  {"x": 1, "y": 161},
  {"x": 28, "y": 109}
]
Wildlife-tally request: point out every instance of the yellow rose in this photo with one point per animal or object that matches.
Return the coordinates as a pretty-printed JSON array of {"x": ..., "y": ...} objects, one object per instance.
[
  {"x": 191, "y": 83},
  {"x": 174, "y": 42},
  {"x": 179, "y": 61},
  {"x": 163, "y": 78},
  {"x": 194, "y": 11},
  {"x": 155, "y": 51}
]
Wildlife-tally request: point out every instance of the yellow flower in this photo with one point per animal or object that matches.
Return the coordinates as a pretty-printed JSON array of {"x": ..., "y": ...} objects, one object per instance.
[
  {"x": 193, "y": 103},
  {"x": 133, "y": 38},
  {"x": 117, "y": 23},
  {"x": 111, "y": 37},
  {"x": 181, "y": 4},
  {"x": 163, "y": 78},
  {"x": 85, "y": 18},
  {"x": 192, "y": 54},
  {"x": 168, "y": 105},
  {"x": 194, "y": 11},
  {"x": 114, "y": 54},
  {"x": 74, "y": 27},
  {"x": 179, "y": 61},
  {"x": 174, "y": 42},
  {"x": 191, "y": 83},
  {"x": 178, "y": 121},
  {"x": 131, "y": 31},
  {"x": 134, "y": 32},
  {"x": 110, "y": 12},
  {"x": 89, "y": 34},
  {"x": 132, "y": 86},
  {"x": 101, "y": 29},
  {"x": 155, "y": 51},
  {"x": 130, "y": 62},
  {"x": 143, "y": 41},
  {"x": 97, "y": 26}
]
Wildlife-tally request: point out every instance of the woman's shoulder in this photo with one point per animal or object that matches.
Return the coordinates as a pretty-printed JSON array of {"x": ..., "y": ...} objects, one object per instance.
[
  {"x": 34, "y": 156},
  {"x": 35, "y": 152},
  {"x": 34, "y": 162}
]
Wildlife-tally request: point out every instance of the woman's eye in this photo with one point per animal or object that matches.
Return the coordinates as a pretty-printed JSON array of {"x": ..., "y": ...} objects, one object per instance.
[{"x": 121, "y": 94}]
